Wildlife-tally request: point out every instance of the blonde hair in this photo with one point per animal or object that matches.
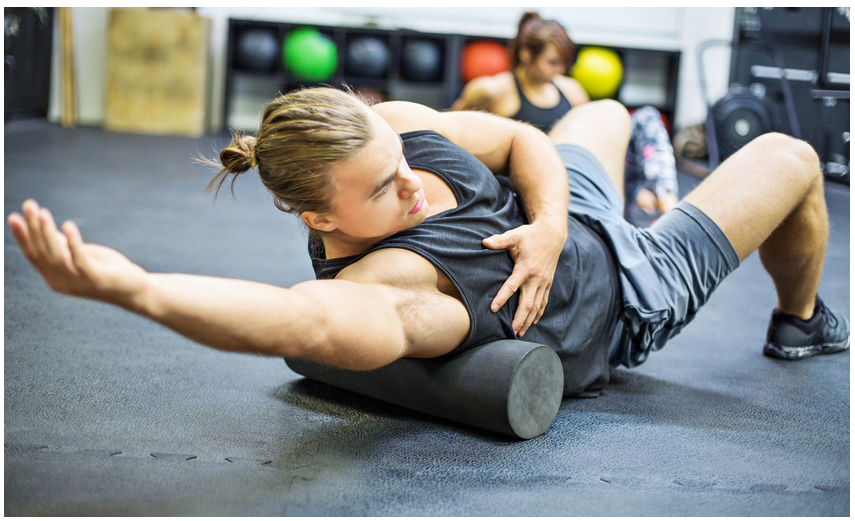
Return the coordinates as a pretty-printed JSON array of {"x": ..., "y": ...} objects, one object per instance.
[{"x": 302, "y": 134}]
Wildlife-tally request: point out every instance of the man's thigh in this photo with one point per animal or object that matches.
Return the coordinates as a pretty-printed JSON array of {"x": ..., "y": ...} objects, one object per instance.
[
  {"x": 754, "y": 190},
  {"x": 669, "y": 271},
  {"x": 592, "y": 191}
]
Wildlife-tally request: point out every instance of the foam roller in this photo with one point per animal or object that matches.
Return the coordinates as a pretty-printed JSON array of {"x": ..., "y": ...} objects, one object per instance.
[{"x": 508, "y": 386}]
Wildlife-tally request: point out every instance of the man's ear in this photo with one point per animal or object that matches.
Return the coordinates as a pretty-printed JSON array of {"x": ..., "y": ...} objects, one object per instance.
[{"x": 320, "y": 222}]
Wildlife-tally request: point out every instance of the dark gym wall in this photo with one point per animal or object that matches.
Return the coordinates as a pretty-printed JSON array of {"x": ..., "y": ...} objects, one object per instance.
[
  {"x": 27, "y": 43},
  {"x": 814, "y": 45}
]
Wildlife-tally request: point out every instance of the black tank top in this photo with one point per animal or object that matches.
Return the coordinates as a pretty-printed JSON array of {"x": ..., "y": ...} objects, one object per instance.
[
  {"x": 540, "y": 118},
  {"x": 584, "y": 300}
]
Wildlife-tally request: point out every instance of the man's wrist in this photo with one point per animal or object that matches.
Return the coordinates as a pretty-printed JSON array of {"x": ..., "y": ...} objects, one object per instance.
[
  {"x": 553, "y": 227},
  {"x": 139, "y": 296}
]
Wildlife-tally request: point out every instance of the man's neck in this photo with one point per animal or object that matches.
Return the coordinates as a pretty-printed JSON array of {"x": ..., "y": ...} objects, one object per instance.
[{"x": 338, "y": 245}]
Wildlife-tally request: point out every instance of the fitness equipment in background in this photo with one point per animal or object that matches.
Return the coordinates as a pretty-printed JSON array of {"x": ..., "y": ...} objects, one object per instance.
[
  {"x": 599, "y": 71},
  {"x": 510, "y": 387},
  {"x": 438, "y": 93},
  {"x": 483, "y": 58},
  {"x": 28, "y": 43},
  {"x": 257, "y": 49},
  {"x": 367, "y": 57},
  {"x": 744, "y": 112},
  {"x": 309, "y": 55},
  {"x": 814, "y": 42},
  {"x": 421, "y": 60}
]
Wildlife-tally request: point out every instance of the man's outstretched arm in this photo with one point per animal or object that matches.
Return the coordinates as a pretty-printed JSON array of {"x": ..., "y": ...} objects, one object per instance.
[{"x": 347, "y": 324}]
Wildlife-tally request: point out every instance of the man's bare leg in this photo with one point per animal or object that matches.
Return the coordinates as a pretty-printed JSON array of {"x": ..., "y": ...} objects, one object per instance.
[
  {"x": 601, "y": 127},
  {"x": 769, "y": 196}
]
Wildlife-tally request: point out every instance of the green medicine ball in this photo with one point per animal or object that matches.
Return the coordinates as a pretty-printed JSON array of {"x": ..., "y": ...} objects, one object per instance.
[{"x": 309, "y": 55}]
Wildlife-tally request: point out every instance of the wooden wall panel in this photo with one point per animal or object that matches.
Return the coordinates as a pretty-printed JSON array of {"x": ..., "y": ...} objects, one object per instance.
[{"x": 157, "y": 72}]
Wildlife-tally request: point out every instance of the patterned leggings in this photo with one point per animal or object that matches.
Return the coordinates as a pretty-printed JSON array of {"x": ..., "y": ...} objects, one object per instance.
[{"x": 650, "y": 159}]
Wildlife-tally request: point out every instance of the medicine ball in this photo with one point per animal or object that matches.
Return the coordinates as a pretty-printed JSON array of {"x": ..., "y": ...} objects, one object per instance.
[
  {"x": 309, "y": 55},
  {"x": 740, "y": 116},
  {"x": 256, "y": 49},
  {"x": 599, "y": 71},
  {"x": 421, "y": 60},
  {"x": 483, "y": 58},
  {"x": 367, "y": 58}
]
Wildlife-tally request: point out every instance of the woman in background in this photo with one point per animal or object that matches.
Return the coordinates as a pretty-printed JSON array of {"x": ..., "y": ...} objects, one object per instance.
[{"x": 538, "y": 91}]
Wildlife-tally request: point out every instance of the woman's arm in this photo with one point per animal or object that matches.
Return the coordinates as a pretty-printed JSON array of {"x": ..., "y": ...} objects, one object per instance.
[
  {"x": 476, "y": 95},
  {"x": 348, "y": 324},
  {"x": 572, "y": 90},
  {"x": 538, "y": 176}
]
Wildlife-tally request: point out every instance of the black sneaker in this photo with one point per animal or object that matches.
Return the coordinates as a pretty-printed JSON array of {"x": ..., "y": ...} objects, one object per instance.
[{"x": 792, "y": 338}]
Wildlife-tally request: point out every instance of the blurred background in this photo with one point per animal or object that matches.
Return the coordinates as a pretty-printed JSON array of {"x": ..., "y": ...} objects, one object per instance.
[{"x": 193, "y": 71}]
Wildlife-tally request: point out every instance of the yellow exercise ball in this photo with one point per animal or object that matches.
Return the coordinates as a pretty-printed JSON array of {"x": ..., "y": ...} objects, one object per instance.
[{"x": 599, "y": 71}]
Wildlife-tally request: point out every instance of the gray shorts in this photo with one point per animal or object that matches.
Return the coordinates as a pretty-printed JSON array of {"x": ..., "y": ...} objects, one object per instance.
[{"x": 667, "y": 271}]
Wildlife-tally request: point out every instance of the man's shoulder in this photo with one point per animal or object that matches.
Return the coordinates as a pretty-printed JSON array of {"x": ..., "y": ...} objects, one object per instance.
[
  {"x": 406, "y": 116},
  {"x": 395, "y": 267},
  {"x": 391, "y": 109}
]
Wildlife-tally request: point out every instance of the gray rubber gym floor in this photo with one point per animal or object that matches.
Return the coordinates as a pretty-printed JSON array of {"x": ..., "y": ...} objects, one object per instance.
[{"x": 108, "y": 414}]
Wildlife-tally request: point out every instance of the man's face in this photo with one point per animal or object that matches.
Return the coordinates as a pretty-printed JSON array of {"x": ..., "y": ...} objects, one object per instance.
[{"x": 376, "y": 193}]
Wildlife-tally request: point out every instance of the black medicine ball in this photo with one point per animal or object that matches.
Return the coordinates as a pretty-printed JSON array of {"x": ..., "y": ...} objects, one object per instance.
[
  {"x": 256, "y": 49},
  {"x": 421, "y": 60},
  {"x": 367, "y": 57}
]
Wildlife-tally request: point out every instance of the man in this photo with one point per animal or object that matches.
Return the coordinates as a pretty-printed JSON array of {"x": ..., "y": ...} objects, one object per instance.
[{"x": 398, "y": 288}]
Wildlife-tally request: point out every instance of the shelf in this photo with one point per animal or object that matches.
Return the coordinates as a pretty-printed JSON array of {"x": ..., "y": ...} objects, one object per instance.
[{"x": 650, "y": 76}]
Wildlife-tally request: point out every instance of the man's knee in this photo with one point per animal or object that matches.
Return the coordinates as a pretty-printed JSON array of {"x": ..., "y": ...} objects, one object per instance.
[
  {"x": 607, "y": 115},
  {"x": 613, "y": 110},
  {"x": 775, "y": 143},
  {"x": 779, "y": 141},
  {"x": 800, "y": 160}
]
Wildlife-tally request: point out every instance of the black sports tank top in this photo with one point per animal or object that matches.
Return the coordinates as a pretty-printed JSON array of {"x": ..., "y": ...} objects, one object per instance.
[
  {"x": 584, "y": 301},
  {"x": 539, "y": 117}
]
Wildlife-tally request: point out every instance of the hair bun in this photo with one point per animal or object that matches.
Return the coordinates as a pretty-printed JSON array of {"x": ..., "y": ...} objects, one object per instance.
[
  {"x": 239, "y": 156},
  {"x": 528, "y": 19}
]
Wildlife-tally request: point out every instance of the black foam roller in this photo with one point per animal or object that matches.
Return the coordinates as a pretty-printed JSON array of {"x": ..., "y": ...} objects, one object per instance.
[{"x": 508, "y": 386}]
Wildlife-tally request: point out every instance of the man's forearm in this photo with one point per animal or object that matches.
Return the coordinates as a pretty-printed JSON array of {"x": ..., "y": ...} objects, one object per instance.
[{"x": 540, "y": 179}]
